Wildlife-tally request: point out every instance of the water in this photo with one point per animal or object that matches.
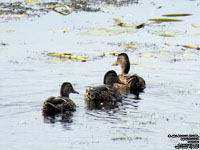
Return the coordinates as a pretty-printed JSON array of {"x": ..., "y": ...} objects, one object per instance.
[{"x": 170, "y": 104}]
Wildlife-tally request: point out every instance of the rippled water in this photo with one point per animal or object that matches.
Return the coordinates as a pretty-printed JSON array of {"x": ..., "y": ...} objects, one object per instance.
[{"x": 170, "y": 104}]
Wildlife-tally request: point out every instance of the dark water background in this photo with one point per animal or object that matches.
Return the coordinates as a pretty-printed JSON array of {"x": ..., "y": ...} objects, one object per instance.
[{"x": 170, "y": 104}]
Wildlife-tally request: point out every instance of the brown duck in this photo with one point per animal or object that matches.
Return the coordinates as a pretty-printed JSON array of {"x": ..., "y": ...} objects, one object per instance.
[
  {"x": 104, "y": 96},
  {"x": 133, "y": 82},
  {"x": 62, "y": 103}
]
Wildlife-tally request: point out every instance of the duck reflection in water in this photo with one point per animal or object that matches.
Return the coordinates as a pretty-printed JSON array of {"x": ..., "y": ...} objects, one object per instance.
[{"x": 62, "y": 117}]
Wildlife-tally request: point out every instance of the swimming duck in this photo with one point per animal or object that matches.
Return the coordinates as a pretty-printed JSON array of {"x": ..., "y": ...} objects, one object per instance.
[
  {"x": 133, "y": 82},
  {"x": 104, "y": 96},
  {"x": 62, "y": 103}
]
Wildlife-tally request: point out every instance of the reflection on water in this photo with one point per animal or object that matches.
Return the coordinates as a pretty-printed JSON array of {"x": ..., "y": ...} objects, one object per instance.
[{"x": 64, "y": 118}]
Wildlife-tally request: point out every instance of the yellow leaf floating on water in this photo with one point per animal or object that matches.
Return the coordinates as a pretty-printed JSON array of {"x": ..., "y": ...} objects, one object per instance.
[
  {"x": 196, "y": 25},
  {"x": 191, "y": 47},
  {"x": 129, "y": 46},
  {"x": 120, "y": 23},
  {"x": 187, "y": 53},
  {"x": 112, "y": 53},
  {"x": 104, "y": 31},
  {"x": 165, "y": 20},
  {"x": 69, "y": 56},
  {"x": 176, "y": 15},
  {"x": 69, "y": 11},
  {"x": 148, "y": 55},
  {"x": 162, "y": 52},
  {"x": 118, "y": 20},
  {"x": 126, "y": 25},
  {"x": 7, "y": 31},
  {"x": 168, "y": 33},
  {"x": 31, "y": 1},
  {"x": 12, "y": 16},
  {"x": 107, "y": 8}
]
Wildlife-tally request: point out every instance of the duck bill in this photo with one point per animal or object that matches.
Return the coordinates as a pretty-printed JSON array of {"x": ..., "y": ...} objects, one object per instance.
[
  {"x": 115, "y": 64},
  {"x": 74, "y": 91}
]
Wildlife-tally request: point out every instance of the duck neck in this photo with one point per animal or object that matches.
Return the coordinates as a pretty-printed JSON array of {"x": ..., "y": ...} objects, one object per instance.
[
  {"x": 64, "y": 94},
  {"x": 125, "y": 67}
]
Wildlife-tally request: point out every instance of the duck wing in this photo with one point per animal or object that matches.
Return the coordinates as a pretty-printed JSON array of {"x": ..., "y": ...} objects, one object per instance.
[
  {"x": 55, "y": 105},
  {"x": 133, "y": 81}
]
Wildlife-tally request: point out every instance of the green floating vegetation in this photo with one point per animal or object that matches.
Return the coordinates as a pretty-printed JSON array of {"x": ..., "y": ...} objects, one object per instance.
[
  {"x": 168, "y": 33},
  {"x": 176, "y": 15},
  {"x": 165, "y": 20},
  {"x": 104, "y": 31},
  {"x": 69, "y": 56}
]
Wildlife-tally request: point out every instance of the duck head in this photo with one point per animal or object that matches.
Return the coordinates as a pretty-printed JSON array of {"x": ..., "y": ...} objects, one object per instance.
[
  {"x": 111, "y": 77},
  {"x": 123, "y": 61},
  {"x": 66, "y": 89}
]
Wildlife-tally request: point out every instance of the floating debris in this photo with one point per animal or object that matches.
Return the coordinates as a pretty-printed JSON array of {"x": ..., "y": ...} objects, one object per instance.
[
  {"x": 107, "y": 8},
  {"x": 104, "y": 31},
  {"x": 139, "y": 26},
  {"x": 31, "y": 1},
  {"x": 167, "y": 43},
  {"x": 187, "y": 53},
  {"x": 69, "y": 11},
  {"x": 69, "y": 56},
  {"x": 190, "y": 47},
  {"x": 196, "y": 25},
  {"x": 148, "y": 55},
  {"x": 12, "y": 16},
  {"x": 176, "y": 15},
  {"x": 63, "y": 30},
  {"x": 112, "y": 53},
  {"x": 3, "y": 44},
  {"x": 119, "y": 22},
  {"x": 129, "y": 46},
  {"x": 7, "y": 31},
  {"x": 165, "y": 20},
  {"x": 168, "y": 33}
]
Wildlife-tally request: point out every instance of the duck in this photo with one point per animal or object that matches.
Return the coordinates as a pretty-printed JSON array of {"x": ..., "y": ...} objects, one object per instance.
[
  {"x": 132, "y": 82},
  {"x": 104, "y": 96},
  {"x": 60, "y": 104}
]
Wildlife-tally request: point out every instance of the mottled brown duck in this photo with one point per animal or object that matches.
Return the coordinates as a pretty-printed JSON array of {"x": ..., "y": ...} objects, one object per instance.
[
  {"x": 104, "y": 96},
  {"x": 60, "y": 104},
  {"x": 132, "y": 82}
]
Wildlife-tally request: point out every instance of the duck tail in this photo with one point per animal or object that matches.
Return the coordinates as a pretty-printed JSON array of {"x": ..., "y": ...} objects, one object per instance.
[{"x": 49, "y": 109}]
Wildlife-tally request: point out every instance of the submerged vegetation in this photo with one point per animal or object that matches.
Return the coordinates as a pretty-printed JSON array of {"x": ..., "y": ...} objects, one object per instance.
[{"x": 32, "y": 8}]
